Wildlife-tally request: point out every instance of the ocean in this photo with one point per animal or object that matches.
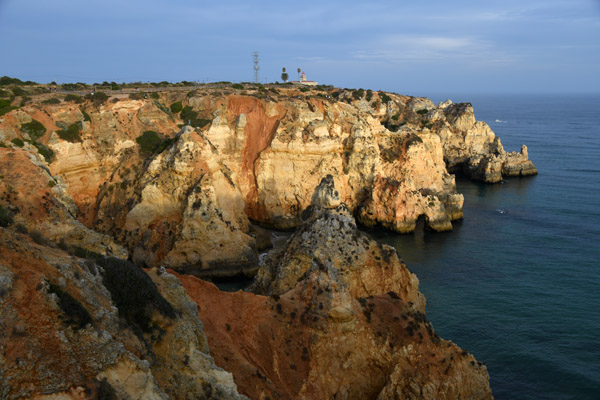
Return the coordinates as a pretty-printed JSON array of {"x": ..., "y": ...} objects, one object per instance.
[{"x": 517, "y": 283}]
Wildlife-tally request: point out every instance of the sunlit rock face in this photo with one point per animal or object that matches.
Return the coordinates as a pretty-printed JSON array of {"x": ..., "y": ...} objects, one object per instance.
[
  {"x": 187, "y": 200},
  {"x": 333, "y": 314}
]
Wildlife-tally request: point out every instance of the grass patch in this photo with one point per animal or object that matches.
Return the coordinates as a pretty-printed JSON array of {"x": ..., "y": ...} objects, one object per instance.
[
  {"x": 176, "y": 107},
  {"x": 134, "y": 293},
  {"x": 74, "y": 98},
  {"x": 76, "y": 314},
  {"x": 34, "y": 129},
  {"x": 71, "y": 134},
  {"x": 149, "y": 141},
  {"x": 52, "y": 100},
  {"x": 18, "y": 142}
]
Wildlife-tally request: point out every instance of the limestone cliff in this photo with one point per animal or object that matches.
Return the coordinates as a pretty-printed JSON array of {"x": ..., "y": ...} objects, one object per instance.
[
  {"x": 334, "y": 315},
  {"x": 78, "y": 329},
  {"x": 185, "y": 197}
]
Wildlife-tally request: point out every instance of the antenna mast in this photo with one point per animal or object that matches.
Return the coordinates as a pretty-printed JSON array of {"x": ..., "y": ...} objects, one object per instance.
[{"x": 256, "y": 66}]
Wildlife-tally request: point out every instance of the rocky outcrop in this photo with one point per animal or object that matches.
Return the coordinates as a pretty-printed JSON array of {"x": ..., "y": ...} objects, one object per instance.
[
  {"x": 333, "y": 315},
  {"x": 186, "y": 197},
  {"x": 471, "y": 147},
  {"x": 72, "y": 329}
]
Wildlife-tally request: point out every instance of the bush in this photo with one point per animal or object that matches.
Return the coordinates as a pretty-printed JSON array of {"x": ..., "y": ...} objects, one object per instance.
[
  {"x": 71, "y": 134},
  {"x": 18, "y": 142},
  {"x": 149, "y": 141},
  {"x": 369, "y": 95},
  {"x": 75, "y": 313},
  {"x": 38, "y": 237},
  {"x": 155, "y": 95},
  {"x": 422, "y": 112},
  {"x": 358, "y": 94},
  {"x": 6, "y": 80},
  {"x": 115, "y": 87},
  {"x": 24, "y": 101},
  {"x": 134, "y": 293},
  {"x": 4, "y": 103},
  {"x": 137, "y": 95},
  {"x": 4, "y": 93},
  {"x": 44, "y": 151},
  {"x": 86, "y": 116},
  {"x": 52, "y": 100},
  {"x": 6, "y": 217},
  {"x": 237, "y": 86},
  {"x": 17, "y": 91},
  {"x": 34, "y": 129},
  {"x": 176, "y": 107},
  {"x": 384, "y": 97},
  {"x": 97, "y": 98},
  {"x": 74, "y": 98},
  {"x": 5, "y": 107}
]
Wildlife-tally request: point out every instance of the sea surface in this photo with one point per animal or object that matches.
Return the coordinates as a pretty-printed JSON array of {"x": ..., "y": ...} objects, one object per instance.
[{"x": 517, "y": 283}]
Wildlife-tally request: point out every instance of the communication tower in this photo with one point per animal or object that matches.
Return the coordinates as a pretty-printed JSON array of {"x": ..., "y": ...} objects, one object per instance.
[{"x": 256, "y": 66}]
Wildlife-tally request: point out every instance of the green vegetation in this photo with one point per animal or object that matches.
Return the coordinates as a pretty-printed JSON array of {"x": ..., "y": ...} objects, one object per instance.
[
  {"x": 86, "y": 116},
  {"x": 384, "y": 97},
  {"x": 284, "y": 75},
  {"x": 51, "y": 183},
  {"x": 34, "y": 129},
  {"x": 18, "y": 142},
  {"x": 134, "y": 293},
  {"x": 6, "y": 217},
  {"x": 395, "y": 117},
  {"x": 176, "y": 107},
  {"x": 71, "y": 134},
  {"x": 4, "y": 93},
  {"x": 422, "y": 112},
  {"x": 44, "y": 151},
  {"x": 5, "y": 106},
  {"x": 369, "y": 95},
  {"x": 154, "y": 95},
  {"x": 76, "y": 315},
  {"x": 52, "y": 100},
  {"x": 358, "y": 94},
  {"x": 149, "y": 141},
  {"x": 188, "y": 115},
  {"x": 237, "y": 86},
  {"x": 6, "y": 80},
  {"x": 97, "y": 98},
  {"x": 24, "y": 101},
  {"x": 74, "y": 98}
]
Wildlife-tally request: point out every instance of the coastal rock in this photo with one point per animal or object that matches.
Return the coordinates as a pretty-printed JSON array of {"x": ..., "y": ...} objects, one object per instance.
[
  {"x": 333, "y": 315},
  {"x": 66, "y": 332},
  {"x": 186, "y": 198}
]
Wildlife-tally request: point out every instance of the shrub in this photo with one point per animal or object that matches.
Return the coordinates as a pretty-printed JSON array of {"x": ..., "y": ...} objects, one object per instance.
[
  {"x": 75, "y": 313},
  {"x": 51, "y": 183},
  {"x": 18, "y": 142},
  {"x": 34, "y": 129},
  {"x": 358, "y": 94},
  {"x": 115, "y": 87},
  {"x": 134, "y": 293},
  {"x": 86, "y": 116},
  {"x": 384, "y": 97},
  {"x": 369, "y": 95},
  {"x": 4, "y": 93},
  {"x": 97, "y": 98},
  {"x": 154, "y": 95},
  {"x": 44, "y": 151},
  {"x": 6, "y": 217},
  {"x": 71, "y": 134},
  {"x": 149, "y": 141},
  {"x": 237, "y": 86},
  {"x": 395, "y": 117},
  {"x": 5, "y": 107},
  {"x": 38, "y": 237},
  {"x": 176, "y": 107},
  {"x": 137, "y": 95},
  {"x": 52, "y": 100},
  {"x": 7, "y": 80},
  {"x": 74, "y": 98},
  {"x": 422, "y": 112},
  {"x": 17, "y": 91}
]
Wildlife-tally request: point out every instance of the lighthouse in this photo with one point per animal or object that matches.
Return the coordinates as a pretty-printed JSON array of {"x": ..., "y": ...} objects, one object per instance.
[{"x": 304, "y": 81}]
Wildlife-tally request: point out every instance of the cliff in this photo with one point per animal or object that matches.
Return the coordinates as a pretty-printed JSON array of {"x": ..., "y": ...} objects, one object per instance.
[
  {"x": 185, "y": 198},
  {"x": 72, "y": 328},
  {"x": 333, "y": 315}
]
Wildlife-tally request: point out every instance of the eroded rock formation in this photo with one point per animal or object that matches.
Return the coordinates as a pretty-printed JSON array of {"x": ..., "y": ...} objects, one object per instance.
[
  {"x": 333, "y": 315},
  {"x": 68, "y": 331},
  {"x": 187, "y": 200}
]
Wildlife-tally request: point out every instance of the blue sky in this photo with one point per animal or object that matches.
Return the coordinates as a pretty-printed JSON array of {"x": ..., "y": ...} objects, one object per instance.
[{"x": 411, "y": 47}]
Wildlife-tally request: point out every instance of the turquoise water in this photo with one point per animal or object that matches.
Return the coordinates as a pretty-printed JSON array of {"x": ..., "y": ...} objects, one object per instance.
[{"x": 517, "y": 283}]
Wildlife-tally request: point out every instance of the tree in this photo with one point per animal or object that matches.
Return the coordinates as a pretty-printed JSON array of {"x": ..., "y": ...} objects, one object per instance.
[
  {"x": 299, "y": 72},
  {"x": 284, "y": 75}
]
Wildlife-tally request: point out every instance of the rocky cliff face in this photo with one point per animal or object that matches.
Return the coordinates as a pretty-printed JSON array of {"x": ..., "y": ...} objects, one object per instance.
[
  {"x": 333, "y": 315},
  {"x": 187, "y": 199},
  {"x": 78, "y": 329}
]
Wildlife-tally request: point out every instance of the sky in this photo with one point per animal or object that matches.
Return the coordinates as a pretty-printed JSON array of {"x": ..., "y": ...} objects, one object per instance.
[{"x": 416, "y": 47}]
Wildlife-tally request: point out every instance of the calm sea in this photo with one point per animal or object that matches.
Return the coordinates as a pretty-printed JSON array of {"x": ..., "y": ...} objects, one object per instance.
[{"x": 517, "y": 283}]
